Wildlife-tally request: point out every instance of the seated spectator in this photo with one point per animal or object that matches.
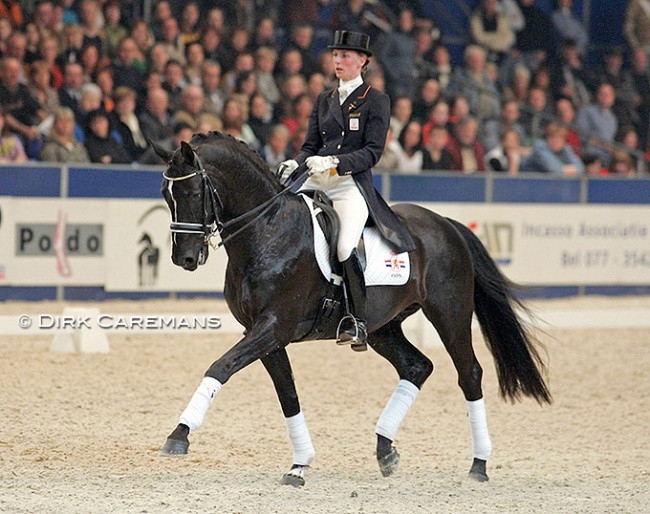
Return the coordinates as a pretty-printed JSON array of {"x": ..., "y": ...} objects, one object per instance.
[
  {"x": 473, "y": 82},
  {"x": 389, "y": 159},
  {"x": 174, "y": 83},
  {"x": 61, "y": 144},
  {"x": 234, "y": 123},
  {"x": 70, "y": 91},
  {"x": 190, "y": 17},
  {"x": 569, "y": 77},
  {"x": 89, "y": 11},
  {"x": 155, "y": 121},
  {"x": 509, "y": 120},
  {"x": 622, "y": 164},
  {"x": 597, "y": 124},
  {"x": 567, "y": 26},
  {"x": 565, "y": 113},
  {"x": 11, "y": 148},
  {"x": 594, "y": 166},
  {"x": 211, "y": 84},
  {"x": 105, "y": 83},
  {"x": 192, "y": 110},
  {"x": 101, "y": 147},
  {"x": 265, "y": 60},
  {"x": 275, "y": 150},
  {"x": 91, "y": 62},
  {"x": 518, "y": 85},
  {"x": 429, "y": 94},
  {"x": 535, "y": 115},
  {"x": 401, "y": 113},
  {"x": 144, "y": 41},
  {"x": 442, "y": 69},
  {"x": 438, "y": 116},
  {"x": 113, "y": 29},
  {"x": 553, "y": 155},
  {"x": 436, "y": 156},
  {"x": 468, "y": 154},
  {"x": 39, "y": 86},
  {"x": 491, "y": 29},
  {"x": 302, "y": 106},
  {"x": 126, "y": 71},
  {"x": 126, "y": 123},
  {"x": 260, "y": 118},
  {"x": 534, "y": 41},
  {"x": 397, "y": 54},
  {"x": 636, "y": 26},
  {"x": 408, "y": 148},
  {"x": 507, "y": 155},
  {"x": 23, "y": 113},
  {"x": 195, "y": 57}
]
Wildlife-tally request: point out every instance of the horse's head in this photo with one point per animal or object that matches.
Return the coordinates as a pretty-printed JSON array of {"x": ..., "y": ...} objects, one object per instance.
[{"x": 193, "y": 203}]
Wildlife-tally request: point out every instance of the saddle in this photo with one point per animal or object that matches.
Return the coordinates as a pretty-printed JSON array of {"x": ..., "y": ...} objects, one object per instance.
[{"x": 382, "y": 267}]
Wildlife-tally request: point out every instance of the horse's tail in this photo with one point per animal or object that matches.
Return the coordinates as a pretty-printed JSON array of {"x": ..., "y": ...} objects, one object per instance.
[{"x": 518, "y": 363}]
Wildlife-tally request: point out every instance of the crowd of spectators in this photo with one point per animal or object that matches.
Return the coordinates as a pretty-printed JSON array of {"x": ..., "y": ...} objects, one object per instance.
[{"x": 91, "y": 81}]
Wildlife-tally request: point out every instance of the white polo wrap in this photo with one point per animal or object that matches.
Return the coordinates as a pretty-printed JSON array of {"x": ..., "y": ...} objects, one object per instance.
[
  {"x": 396, "y": 408},
  {"x": 481, "y": 444},
  {"x": 303, "y": 450},
  {"x": 200, "y": 403}
]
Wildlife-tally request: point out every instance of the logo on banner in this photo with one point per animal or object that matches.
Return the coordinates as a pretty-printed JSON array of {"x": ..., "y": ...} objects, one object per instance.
[
  {"x": 497, "y": 238},
  {"x": 60, "y": 239},
  {"x": 148, "y": 257}
]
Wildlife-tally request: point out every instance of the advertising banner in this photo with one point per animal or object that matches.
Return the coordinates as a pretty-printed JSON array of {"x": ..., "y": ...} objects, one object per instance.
[
  {"x": 125, "y": 245},
  {"x": 51, "y": 241},
  {"x": 138, "y": 252},
  {"x": 562, "y": 244}
]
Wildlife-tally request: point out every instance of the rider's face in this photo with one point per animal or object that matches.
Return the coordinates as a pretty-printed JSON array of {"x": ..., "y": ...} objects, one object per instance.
[{"x": 347, "y": 64}]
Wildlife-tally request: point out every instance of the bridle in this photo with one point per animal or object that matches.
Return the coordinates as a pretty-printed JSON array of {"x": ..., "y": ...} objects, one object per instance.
[{"x": 212, "y": 205}]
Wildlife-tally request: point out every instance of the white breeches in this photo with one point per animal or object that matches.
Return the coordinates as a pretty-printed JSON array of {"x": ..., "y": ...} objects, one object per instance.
[{"x": 349, "y": 204}]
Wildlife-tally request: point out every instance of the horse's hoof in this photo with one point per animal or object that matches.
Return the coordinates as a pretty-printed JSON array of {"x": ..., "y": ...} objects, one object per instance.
[
  {"x": 175, "y": 448},
  {"x": 389, "y": 464},
  {"x": 295, "y": 477},
  {"x": 478, "y": 471}
]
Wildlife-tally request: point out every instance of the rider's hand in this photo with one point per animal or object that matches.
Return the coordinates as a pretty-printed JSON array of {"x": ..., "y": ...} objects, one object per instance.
[
  {"x": 321, "y": 164},
  {"x": 285, "y": 169}
]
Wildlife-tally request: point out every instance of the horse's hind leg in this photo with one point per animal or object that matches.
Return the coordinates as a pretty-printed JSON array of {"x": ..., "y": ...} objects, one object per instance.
[
  {"x": 454, "y": 328},
  {"x": 279, "y": 368},
  {"x": 413, "y": 369}
]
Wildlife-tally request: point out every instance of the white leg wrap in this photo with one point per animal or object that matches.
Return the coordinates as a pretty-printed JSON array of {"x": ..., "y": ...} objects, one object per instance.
[
  {"x": 303, "y": 450},
  {"x": 481, "y": 444},
  {"x": 396, "y": 408},
  {"x": 200, "y": 403}
]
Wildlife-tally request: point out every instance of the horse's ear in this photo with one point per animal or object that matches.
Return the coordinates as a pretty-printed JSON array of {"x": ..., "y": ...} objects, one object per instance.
[
  {"x": 187, "y": 152},
  {"x": 165, "y": 155}
]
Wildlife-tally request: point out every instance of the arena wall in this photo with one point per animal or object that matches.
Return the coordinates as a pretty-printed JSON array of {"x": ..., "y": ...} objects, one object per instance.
[{"x": 94, "y": 232}]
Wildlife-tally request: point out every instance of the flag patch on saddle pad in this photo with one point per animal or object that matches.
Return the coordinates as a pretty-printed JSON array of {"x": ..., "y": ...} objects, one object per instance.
[{"x": 383, "y": 266}]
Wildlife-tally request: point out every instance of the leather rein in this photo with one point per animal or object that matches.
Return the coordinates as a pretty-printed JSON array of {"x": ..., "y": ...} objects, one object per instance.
[{"x": 212, "y": 204}]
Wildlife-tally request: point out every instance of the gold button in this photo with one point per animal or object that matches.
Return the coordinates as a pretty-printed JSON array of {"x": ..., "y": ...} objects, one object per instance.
[
  {"x": 343, "y": 133},
  {"x": 338, "y": 147}
]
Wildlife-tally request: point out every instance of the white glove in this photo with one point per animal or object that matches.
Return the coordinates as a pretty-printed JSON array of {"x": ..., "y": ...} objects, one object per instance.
[
  {"x": 285, "y": 169},
  {"x": 320, "y": 164}
]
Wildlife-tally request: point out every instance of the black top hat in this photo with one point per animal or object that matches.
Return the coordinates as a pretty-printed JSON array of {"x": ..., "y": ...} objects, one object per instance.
[{"x": 348, "y": 40}]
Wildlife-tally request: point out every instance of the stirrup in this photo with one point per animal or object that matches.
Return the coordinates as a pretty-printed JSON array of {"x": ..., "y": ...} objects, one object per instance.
[{"x": 355, "y": 334}]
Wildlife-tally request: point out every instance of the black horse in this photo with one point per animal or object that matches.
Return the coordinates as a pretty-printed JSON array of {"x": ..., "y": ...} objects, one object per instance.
[{"x": 274, "y": 289}]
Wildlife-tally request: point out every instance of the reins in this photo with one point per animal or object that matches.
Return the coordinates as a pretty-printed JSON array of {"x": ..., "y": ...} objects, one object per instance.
[{"x": 212, "y": 196}]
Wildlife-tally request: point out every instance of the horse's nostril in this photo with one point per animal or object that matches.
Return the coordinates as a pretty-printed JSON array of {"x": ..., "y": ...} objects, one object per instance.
[{"x": 188, "y": 262}]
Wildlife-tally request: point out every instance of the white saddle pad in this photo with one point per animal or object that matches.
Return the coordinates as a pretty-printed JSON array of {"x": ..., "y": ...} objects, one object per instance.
[{"x": 383, "y": 266}]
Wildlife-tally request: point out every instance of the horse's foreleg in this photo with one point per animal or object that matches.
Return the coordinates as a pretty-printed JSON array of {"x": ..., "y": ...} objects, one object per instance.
[
  {"x": 413, "y": 368},
  {"x": 258, "y": 342},
  {"x": 279, "y": 368}
]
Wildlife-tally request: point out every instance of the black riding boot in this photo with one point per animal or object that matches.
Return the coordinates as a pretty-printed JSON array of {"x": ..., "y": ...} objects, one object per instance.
[{"x": 352, "y": 329}]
